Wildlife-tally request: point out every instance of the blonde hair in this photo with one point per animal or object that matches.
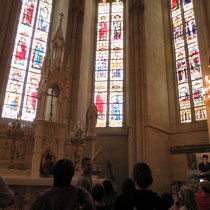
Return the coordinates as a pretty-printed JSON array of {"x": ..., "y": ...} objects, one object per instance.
[{"x": 188, "y": 198}]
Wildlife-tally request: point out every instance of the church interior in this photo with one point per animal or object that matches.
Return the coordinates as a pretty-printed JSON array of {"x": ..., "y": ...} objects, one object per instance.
[{"x": 127, "y": 78}]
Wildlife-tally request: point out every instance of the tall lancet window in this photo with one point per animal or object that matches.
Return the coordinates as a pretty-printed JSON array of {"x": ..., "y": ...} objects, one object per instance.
[
  {"x": 27, "y": 59},
  {"x": 188, "y": 66},
  {"x": 109, "y": 63}
]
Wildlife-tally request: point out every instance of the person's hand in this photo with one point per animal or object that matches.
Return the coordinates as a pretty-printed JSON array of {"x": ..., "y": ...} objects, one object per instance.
[
  {"x": 99, "y": 151},
  {"x": 197, "y": 185}
]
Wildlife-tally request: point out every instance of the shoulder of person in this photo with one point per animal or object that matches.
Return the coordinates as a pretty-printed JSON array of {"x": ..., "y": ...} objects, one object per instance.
[
  {"x": 152, "y": 193},
  {"x": 85, "y": 195},
  {"x": 183, "y": 208},
  {"x": 2, "y": 181},
  {"x": 126, "y": 195}
]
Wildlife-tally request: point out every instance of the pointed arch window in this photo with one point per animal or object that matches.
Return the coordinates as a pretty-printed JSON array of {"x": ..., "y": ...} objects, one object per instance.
[
  {"x": 109, "y": 65},
  {"x": 188, "y": 65},
  {"x": 27, "y": 59}
]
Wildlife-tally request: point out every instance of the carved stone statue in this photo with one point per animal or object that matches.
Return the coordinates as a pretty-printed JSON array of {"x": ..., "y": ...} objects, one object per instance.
[{"x": 91, "y": 119}]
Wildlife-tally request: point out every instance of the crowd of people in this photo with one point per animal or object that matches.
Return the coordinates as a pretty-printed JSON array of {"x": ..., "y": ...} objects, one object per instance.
[{"x": 135, "y": 193}]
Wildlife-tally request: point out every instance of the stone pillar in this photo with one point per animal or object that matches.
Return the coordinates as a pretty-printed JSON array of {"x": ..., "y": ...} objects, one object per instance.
[
  {"x": 90, "y": 146},
  {"x": 208, "y": 118},
  {"x": 72, "y": 55},
  {"x": 37, "y": 152},
  {"x": 136, "y": 78},
  {"x": 130, "y": 150},
  {"x": 9, "y": 12},
  {"x": 206, "y": 99}
]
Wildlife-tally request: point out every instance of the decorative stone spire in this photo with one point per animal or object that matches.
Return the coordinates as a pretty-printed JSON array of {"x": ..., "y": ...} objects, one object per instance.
[{"x": 58, "y": 42}]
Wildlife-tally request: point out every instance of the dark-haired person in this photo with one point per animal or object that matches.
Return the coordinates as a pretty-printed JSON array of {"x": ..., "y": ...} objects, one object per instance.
[
  {"x": 6, "y": 195},
  {"x": 62, "y": 195},
  {"x": 167, "y": 201},
  {"x": 127, "y": 184},
  {"x": 98, "y": 194},
  {"x": 140, "y": 197},
  {"x": 203, "y": 198},
  {"x": 204, "y": 168},
  {"x": 84, "y": 179},
  {"x": 110, "y": 194}
]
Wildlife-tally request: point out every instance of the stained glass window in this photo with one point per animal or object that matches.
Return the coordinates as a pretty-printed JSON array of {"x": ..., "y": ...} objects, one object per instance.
[
  {"x": 109, "y": 64},
  {"x": 27, "y": 59},
  {"x": 189, "y": 74}
]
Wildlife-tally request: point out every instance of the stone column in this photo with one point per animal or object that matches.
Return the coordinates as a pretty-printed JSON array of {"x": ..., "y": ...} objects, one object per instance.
[
  {"x": 90, "y": 146},
  {"x": 208, "y": 118},
  {"x": 72, "y": 55},
  {"x": 9, "y": 12},
  {"x": 37, "y": 152},
  {"x": 130, "y": 150},
  {"x": 136, "y": 78},
  {"x": 206, "y": 99}
]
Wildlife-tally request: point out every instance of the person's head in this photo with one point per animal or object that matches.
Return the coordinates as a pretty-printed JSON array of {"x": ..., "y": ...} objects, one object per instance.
[
  {"x": 108, "y": 186},
  {"x": 188, "y": 199},
  {"x": 205, "y": 187},
  {"x": 87, "y": 165},
  {"x": 98, "y": 192},
  {"x": 63, "y": 171},
  {"x": 127, "y": 184},
  {"x": 167, "y": 200},
  {"x": 205, "y": 158},
  {"x": 142, "y": 175}
]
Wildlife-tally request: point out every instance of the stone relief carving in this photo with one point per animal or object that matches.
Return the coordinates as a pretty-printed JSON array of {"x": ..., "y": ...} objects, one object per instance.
[
  {"x": 74, "y": 154},
  {"x": 5, "y": 150},
  {"x": 190, "y": 149}
]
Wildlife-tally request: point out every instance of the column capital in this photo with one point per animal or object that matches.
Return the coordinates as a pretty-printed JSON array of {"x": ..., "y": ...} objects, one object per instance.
[
  {"x": 136, "y": 8},
  {"x": 76, "y": 10}
]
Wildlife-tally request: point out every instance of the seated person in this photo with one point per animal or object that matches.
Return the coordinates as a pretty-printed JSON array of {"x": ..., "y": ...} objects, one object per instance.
[
  {"x": 204, "y": 168},
  {"x": 140, "y": 197},
  {"x": 98, "y": 194},
  {"x": 62, "y": 195},
  {"x": 203, "y": 198},
  {"x": 6, "y": 195}
]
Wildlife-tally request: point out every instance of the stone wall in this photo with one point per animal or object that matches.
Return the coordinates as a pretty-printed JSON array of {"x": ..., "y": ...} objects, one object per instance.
[
  {"x": 115, "y": 151},
  {"x": 155, "y": 65},
  {"x": 157, "y": 106}
]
